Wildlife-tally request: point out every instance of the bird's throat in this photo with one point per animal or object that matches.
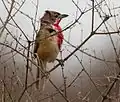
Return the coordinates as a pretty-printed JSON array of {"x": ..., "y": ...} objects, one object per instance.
[{"x": 60, "y": 36}]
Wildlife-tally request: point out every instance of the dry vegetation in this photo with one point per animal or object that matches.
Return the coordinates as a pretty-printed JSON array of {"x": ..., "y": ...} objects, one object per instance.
[{"x": 84, "y": 75}]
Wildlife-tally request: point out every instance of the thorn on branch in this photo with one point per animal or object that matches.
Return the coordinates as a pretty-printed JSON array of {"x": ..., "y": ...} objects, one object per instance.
[
  {"x": 93, "y": 32},
  {"x": 106, "y": 17},
  {"x": 82, "y": 13},
  {"x": 104, "y": 97},
  {"x": 60, "y": 61}
]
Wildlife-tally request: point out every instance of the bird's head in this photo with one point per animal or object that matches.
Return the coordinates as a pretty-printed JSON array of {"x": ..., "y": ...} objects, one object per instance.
[{"x": 53, "y": 17}]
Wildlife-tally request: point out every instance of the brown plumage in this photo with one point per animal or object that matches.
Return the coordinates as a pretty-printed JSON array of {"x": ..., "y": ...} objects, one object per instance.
[{"x": 46, "y": 46}]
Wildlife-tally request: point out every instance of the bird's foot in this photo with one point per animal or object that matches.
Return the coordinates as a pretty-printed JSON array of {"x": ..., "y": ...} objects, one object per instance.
[
  {"x": 35, "y": 55},
  {"x": 60, "y": 61},
  {"x": 46, "y": 74}
]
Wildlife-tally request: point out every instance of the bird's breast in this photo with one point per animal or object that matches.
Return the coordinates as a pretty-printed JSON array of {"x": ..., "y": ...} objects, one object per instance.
[{"x": 48, "y": 49}]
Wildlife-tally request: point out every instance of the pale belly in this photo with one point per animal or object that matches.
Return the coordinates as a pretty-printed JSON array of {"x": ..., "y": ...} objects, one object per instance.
[{"x": 48, "y": 50}]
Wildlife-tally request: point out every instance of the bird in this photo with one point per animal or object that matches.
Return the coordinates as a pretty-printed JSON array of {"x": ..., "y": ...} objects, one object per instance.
[{"x": 48, "y": 42}]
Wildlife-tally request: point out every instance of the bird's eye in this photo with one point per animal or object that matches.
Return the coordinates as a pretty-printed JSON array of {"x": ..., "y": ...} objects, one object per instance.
[{"x": 56, "y": 16}]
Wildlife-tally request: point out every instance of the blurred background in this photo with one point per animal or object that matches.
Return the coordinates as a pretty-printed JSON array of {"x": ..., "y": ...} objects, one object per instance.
[{"x": 90, "y": 74}]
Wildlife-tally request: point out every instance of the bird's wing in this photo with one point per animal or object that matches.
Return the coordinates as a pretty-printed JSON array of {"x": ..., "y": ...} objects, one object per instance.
[
  {"x": 45, "y": 30},
  {"x": 36, "y": 45}
]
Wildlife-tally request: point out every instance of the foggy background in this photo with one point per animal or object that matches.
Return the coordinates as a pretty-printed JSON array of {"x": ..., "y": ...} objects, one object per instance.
[{"x": 91, "y": 74}]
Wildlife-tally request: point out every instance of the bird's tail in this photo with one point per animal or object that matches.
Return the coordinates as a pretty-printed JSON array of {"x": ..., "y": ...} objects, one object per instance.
[{"x": 40, "y": 76}]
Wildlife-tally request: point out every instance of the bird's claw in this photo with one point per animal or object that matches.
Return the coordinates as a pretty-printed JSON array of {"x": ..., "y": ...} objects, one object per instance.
[
  {"x": 46, "y": 74},
  {"x": 60, "y": 61}
]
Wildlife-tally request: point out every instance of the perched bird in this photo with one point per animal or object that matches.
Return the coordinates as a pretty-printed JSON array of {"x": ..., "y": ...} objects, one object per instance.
[{"x": 48, "y": 42}]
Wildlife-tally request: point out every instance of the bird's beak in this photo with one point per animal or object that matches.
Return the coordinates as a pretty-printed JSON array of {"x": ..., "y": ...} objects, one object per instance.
[{"x": 62, "y": 16}]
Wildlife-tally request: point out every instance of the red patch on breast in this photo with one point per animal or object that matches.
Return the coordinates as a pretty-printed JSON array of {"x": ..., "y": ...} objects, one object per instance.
[
  {"x": 60, "y": 40},
  {"x": 60, "y": 36}
]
